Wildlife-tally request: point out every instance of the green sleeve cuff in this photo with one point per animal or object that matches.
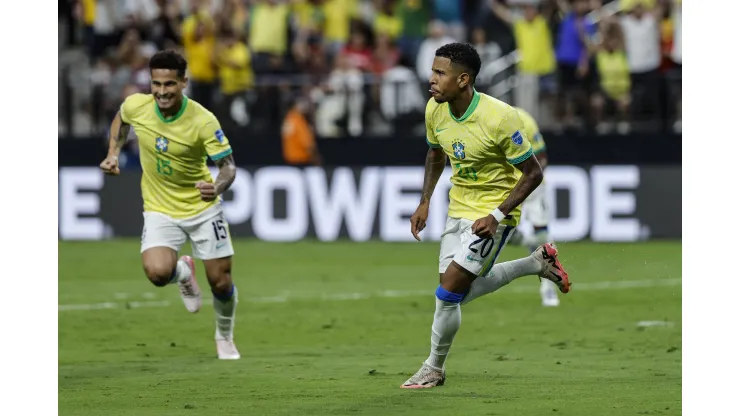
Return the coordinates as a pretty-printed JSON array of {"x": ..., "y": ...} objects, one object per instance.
[
  {"x": 432, "y": 145},
  {"x": 521, "y": 158},
  {"x": 221, "y": 155}
]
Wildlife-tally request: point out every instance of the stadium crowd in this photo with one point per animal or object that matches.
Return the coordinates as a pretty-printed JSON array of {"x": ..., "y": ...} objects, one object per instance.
[{"x": 361, "y": 65}]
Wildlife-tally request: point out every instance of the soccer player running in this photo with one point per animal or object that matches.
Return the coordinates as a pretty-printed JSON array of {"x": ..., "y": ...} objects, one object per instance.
[
  {"x": 486, "y": 142},
  {"x": 181, "y": 199},
  {"x": 536, "y": 208}
]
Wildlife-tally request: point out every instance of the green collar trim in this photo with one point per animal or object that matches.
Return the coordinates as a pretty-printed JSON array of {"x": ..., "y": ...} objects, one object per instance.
[
  {"x": 179, "y": 113},
  {"x": 473, "y": 105}
]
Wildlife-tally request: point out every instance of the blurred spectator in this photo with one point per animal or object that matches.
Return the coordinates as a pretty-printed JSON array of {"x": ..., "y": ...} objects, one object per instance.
[
  {"x": 165, "y": 29},
  {"x": 342, "y": 98},
  {"x": 338, "y": 15},
  {"x": 387, "y": 23},
  {"x": 199, "y": 40},
  {"x": 299, "y": 143},
  {"x": 450, "y": 12},
  {"x": 488, "y": 51},
  {"x": 613, "y": 78},
  {"x": 235, "y": 73},
  {"x": 415, "y": 16},
  {"x": 437, "y": 38},
  {"x": 401, "y": 100},
  {"x": 642, "y": 42},
  {"x": 537, "y": 58},
  {"x": 386, "y": 54},
  {"x": 268, "y": 34},
  {"x": 572, "y": 56},
  {"x": 358, "y": 50}
]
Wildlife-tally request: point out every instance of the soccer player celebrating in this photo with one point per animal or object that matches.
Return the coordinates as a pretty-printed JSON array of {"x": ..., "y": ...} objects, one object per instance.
[
  {"x": 536, "y": 208},
  {"x": 181, "y": 200},
  {"x": 486, "y": 142}
]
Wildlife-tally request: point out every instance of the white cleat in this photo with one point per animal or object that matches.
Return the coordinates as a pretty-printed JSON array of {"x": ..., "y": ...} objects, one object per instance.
[
  {"x": 189, "y": 290},
  {"x": 227, "y": 350},
  {"x": 425, "y": 378}
]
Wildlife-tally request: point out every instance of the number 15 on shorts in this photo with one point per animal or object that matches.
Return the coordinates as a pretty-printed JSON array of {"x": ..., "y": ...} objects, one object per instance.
[{"x": 221, "y": 232}]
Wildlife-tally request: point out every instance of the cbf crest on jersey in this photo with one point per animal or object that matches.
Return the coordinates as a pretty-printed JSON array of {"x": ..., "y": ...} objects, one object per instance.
[
  {"x": 517, "y": 138},
  {"x": 220, "y": 135},
  {"x": 458, "y": 149},
  {"x": 162, "y": 144}
]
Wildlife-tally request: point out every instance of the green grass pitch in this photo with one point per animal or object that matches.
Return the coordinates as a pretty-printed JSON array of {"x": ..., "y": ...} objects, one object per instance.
[{"x": 335, "y": 328}]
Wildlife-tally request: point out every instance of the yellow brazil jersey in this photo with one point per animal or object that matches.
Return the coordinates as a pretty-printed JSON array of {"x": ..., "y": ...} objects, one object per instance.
[
  {"x": 483, "y": 146},
  {"x": 173, "y": 153},
  {"x": 533, "y": 131}
]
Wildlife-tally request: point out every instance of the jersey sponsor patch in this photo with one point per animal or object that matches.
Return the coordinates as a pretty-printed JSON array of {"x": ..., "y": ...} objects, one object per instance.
[
  {"x": 517, "y": 138},
  {"x": 220, "y": 135}
]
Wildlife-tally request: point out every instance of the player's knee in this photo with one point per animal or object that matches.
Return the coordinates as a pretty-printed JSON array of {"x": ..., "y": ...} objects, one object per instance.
[
  {"x": 158, "y": 273},
  {"x": 447, "y": 296},
  {"x": 221, "y": 283}
]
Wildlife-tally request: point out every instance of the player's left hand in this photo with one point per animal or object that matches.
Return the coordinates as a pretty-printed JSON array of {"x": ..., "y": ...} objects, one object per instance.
[
  {"x": 207, "y": 191},
  {"x": 485, "y": 227}
]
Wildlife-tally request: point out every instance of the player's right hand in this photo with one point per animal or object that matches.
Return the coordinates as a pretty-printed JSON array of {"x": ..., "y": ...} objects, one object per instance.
[
  {"x": 419, "y": 219},
  {"x": 110, "y": 166}
]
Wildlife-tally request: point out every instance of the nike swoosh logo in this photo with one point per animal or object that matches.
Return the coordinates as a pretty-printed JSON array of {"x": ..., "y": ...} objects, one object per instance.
[
  {"x": 439, "y": 130},
  {"x": 474, "y": 259},
  {"x": 219, "y": 245}
]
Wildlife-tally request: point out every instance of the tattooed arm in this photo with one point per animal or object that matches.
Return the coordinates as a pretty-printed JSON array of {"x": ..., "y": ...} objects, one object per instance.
[
  {"x": 226, "y": 175},
  {"x": 433, "y": 167},
  {"x": 118, "y": 133}
]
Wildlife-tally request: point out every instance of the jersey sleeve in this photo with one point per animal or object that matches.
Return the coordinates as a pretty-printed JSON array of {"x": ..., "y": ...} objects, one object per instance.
[
  {"x": 214, "y": 140},
  {"x": 429, "y": 121},
  {"x": 511, "y": 137},
  {"x": 131, "y": 106}
]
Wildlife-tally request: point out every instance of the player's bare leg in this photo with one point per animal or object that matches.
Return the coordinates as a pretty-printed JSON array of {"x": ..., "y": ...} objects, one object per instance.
[
  {"x": 224, "y": 292},
  {"x": 162, "y": 268}
]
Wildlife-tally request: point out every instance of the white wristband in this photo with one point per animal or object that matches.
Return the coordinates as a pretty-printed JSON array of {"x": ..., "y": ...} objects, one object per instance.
[{"x": 498, "y": 214}]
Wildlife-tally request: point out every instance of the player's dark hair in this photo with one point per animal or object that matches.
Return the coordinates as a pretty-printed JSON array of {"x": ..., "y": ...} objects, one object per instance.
[
  {"x": 462, "y": 54},
  {"x": 169, "y": 59}
]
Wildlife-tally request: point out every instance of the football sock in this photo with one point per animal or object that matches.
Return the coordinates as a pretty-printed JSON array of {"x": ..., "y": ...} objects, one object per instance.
[
  {"x": 181, "y": 272},
  {"x": 447, "y": 318},
  {"x": 501, "y": 275},
  {"x": 225, "y": 307}
]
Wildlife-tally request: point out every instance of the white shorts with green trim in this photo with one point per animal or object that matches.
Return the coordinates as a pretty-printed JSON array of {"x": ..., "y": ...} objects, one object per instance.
[{"x": 476, "y": 255}]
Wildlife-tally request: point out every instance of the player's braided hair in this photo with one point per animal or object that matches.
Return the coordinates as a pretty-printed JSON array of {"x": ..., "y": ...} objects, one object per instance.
[
  {"x": 462, "y": 54},
  {"x": 169, "y": 59}
]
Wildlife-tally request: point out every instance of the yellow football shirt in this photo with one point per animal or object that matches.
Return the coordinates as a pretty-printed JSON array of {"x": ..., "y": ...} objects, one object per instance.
[
  {"x": 173, "y": 153},
  {"x": 483, "y": 146},
  {"x": 533, "y": 131}
]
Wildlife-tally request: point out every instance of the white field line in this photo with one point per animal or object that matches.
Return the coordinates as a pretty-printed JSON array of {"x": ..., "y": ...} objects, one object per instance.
[{"x": 582, "y": 287}]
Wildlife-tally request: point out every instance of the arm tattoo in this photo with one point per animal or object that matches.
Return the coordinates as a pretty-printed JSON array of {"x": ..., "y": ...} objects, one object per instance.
[
  {"x": 226, "y": 173},
  {"x": 118, "y": 135},
  {"x": 433, "y": 167},
  {"x": 122, "y": 134}
]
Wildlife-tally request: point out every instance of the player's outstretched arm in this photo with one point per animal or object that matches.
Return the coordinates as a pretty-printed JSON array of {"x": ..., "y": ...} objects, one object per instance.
[
  {"x": 433, "y": 167},
  {"x": 226, "y": 175},
  {"x": 118, "y": 134}
]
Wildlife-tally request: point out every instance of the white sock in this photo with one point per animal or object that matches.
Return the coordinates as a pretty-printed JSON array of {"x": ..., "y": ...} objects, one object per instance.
[
  {"x": 225, "y": 315},
  {"x": 501, "y": 275},
  {"x": 447, "y": 318},
  {"x": 182, "y": 272}
]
